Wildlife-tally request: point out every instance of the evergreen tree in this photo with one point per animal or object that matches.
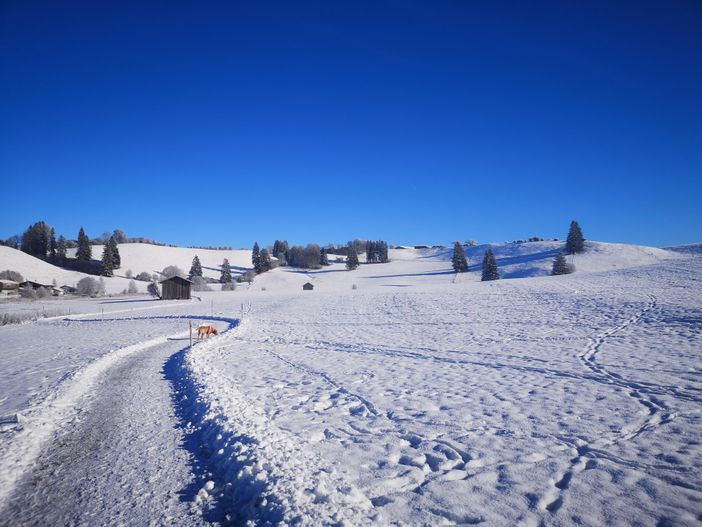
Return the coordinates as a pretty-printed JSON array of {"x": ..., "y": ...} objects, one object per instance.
[
  {"x": 575, "y": 243},
  {"x": 256, "y": 258},
  {"x": 458, "y": 260},
  {"x": 384, "y": 252},
  {"x": 561, "y": 266},
  {"x": 61, "y": 247},
  {"x": 323, "y": 258},
  {"x": 52, "y": 244},
  {"x": 108, "y": 260},
  {"x": 195, "y": 268},
  {"x": 116, "y": 260},
  {"x": 265, "y": 259},
  {"x": 490, "y": 271},
  {"x": 36, "y": 240},
  {"x": 226, "y": 277},
  {"x": 85, "y": 252},
  {"x": 352, "y": 258}
]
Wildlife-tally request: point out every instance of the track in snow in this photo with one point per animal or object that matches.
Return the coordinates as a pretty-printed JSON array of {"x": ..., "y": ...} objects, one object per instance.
[{"x": 120, "y": 458}]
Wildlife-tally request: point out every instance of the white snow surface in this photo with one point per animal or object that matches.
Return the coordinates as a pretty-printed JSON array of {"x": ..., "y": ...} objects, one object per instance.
[
  {"x": 139, "y": 257},
  {"x": 418, "y": 398}
]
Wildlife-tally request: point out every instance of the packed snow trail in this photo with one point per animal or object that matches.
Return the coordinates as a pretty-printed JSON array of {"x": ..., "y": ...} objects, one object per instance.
[{"x": 121, "y": 457}]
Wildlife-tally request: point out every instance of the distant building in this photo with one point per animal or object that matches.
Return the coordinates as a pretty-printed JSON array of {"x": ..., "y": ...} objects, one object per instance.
[
  {"x": 8, "y": 287},
  {"x": 307, "y": 287},
  {"x": 175, "y": 288},
  {"x": 34, "y": 285}
]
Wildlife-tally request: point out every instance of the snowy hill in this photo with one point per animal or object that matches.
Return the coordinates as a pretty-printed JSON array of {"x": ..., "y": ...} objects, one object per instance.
[
  {"x": 409, "y": 266},
  {"x": 521, "y": 260},
  {"x": 43, "y": 272},
  {"x": 692, "y": 248},
  {"x": 140, "y": 257}
]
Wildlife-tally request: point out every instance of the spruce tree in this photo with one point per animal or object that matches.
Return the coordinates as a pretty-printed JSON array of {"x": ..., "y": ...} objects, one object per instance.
[
  {"x": 52, "y": 244},
  {"x": 84, "y": 253},
  {"x": 265, "y": 259},
  {"x": 61, "y": 248},
  {"x": 575, "y": 243},
  {"x": 561, "y": 266},
  {"x": 352, "y": 258},
  {"x": 323, "y": 258},
  {"x": 256, "y": 258},
  {"x": 226, "y": 277},
  {"x": 116, "y": 260},
  {"x": 195, "y": 268},
  {"x": 458, "y": 260},
  {"x": 490, "y": 271},
  {"x": 108, "y": 259}
]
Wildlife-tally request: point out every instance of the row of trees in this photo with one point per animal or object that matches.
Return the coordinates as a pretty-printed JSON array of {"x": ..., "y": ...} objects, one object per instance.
[{"x": 377, "y": 252}]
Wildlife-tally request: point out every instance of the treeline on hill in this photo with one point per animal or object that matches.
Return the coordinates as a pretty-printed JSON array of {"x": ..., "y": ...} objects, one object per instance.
[
  {"x": 313, "y": 256},
  {"x": 40, "y": 241},
  {"x": 575, "y": 243},
  {"x": 16, "y": 241}
]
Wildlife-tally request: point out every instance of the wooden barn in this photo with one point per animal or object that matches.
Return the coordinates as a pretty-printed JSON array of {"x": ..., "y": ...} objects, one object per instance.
[
  {"x": 307, "y": 287},
  {"x": 175, "y": 288}
]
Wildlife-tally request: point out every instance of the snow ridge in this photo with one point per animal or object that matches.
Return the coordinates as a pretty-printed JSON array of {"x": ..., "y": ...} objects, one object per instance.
[{"x": 261, "y": 475}]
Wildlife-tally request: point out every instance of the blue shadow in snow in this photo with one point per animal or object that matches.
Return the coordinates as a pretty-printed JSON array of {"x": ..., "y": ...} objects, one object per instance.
[{"x": 216, "y": 453}]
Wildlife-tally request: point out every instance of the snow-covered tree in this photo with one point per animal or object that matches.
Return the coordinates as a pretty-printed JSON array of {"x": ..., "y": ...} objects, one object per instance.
[
  {"x": 256, "y": 258},
  {"x": 153, "y": 290},
  {"x": 108, "y": 259},
  {"x": 132, "y": 287},
  {"x": 323, "y": 257},
  {"x": 575, "y": 242},
  {"x": 120, "y": 236},
  {"x": 11, "y": 275},
  {"x": 195, "y": 268},
  {"x": 561, "y": 266},
  {"x": 88, "y": 286},
  {"x": 352, "y": 258},
  {"x": 458, "y": 260},
  {"x": 490, "y": 271},
  {"x": 116, "y": 259},
  {"x": 84, "y": 253},
  {"x": 52, "y": 244},
  {"x": 61, "y": 248},
  {"x": 128, "y": 273},
  {"x": 226, "y": 277},
  {"x": 265, "y": 261},
  {"x": 200, "y": 284},
  {"x": 169, "y": 271}
]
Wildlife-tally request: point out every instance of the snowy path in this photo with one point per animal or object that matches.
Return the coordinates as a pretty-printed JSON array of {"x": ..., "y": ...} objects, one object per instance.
[{"x": 119, "y": 461}]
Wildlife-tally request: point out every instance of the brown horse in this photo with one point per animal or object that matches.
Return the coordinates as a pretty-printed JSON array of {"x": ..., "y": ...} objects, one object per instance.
[{"x": 205, "y": 331}]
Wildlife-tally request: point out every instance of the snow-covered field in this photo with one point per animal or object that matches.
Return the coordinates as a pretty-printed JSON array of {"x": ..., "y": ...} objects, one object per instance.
[{"x": 415, "y": 398}]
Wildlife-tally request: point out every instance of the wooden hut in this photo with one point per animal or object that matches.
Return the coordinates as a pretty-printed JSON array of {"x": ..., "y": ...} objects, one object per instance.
[
  {"x": 307, "y": 287},
  {"x": 175, "y": 288}
]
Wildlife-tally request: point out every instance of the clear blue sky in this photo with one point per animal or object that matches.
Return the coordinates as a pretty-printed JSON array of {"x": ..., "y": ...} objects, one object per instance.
[{"x": 228, "y": 122}]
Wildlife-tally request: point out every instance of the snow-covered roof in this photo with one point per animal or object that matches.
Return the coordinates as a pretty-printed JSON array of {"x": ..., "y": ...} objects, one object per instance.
[{"x": 175, "y": 276}]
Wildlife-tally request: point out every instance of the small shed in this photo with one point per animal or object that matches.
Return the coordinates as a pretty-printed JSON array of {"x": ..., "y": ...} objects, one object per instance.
[
  {"x": 308, "y": 287},
  {"x": 175, "y": 288}
]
